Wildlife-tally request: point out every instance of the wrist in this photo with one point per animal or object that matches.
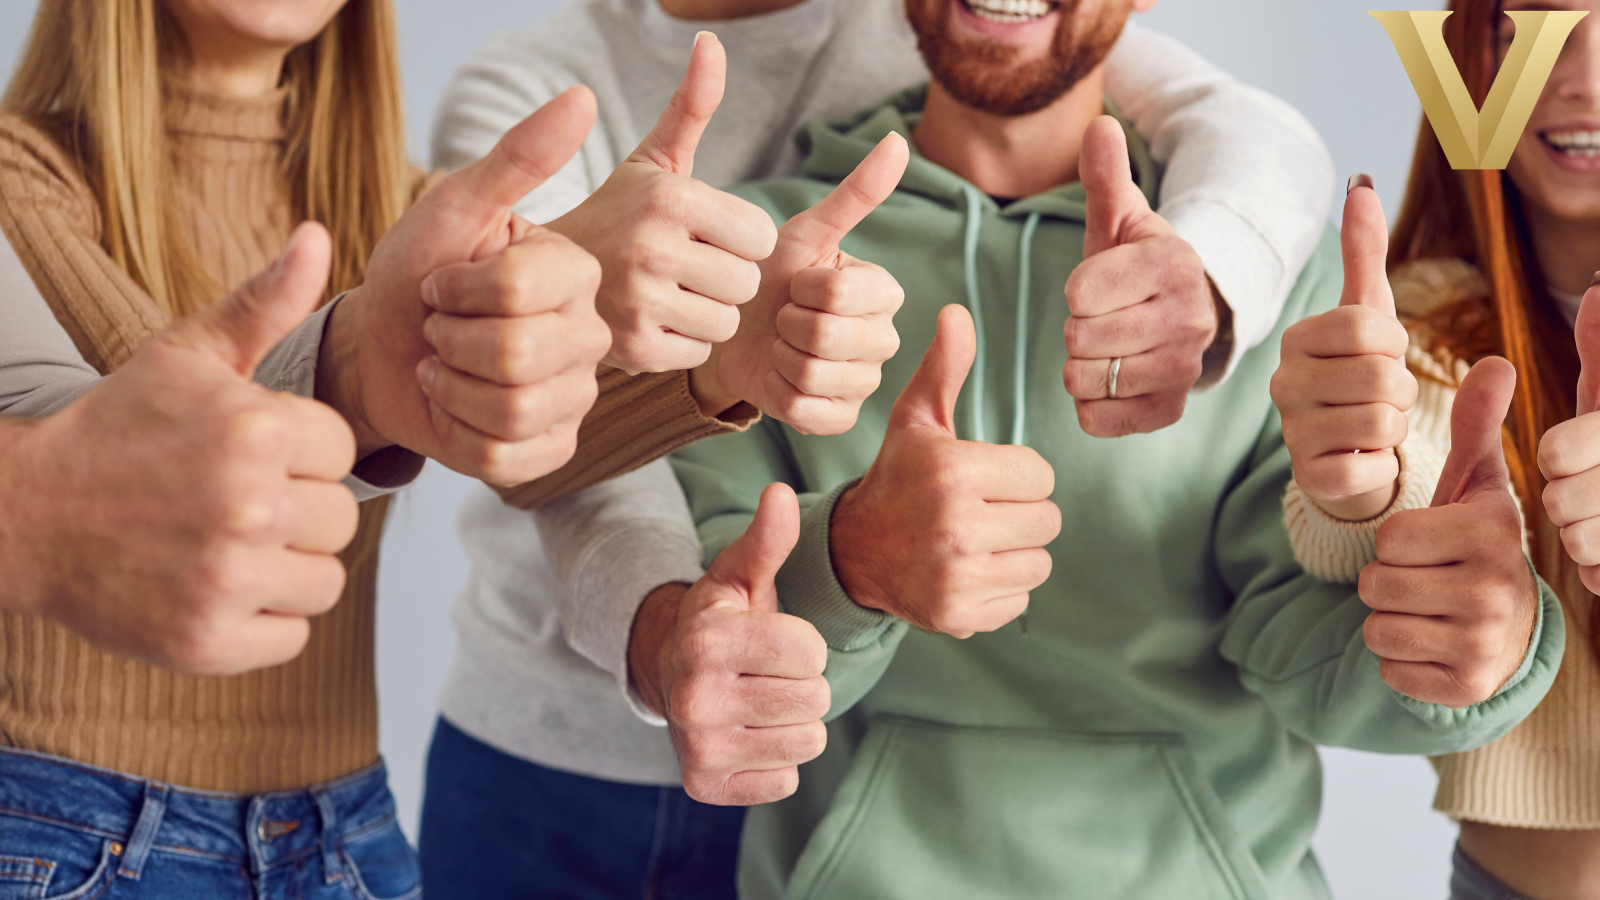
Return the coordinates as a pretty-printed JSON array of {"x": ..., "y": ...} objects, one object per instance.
[
  {"x": 707, "y": 389},
  {"x": 338, "y": 382},
  {"x": 849, "y": 537},
  {"x": 653, "y": 624}
]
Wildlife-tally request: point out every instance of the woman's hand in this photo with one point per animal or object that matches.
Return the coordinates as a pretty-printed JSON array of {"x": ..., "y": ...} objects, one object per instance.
[
  {"x": 1569, "y": 455},
  {"x": 1342, "y": 386}
]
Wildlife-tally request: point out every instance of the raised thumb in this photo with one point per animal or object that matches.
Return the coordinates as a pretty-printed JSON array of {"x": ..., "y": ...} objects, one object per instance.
[
  {"x": 1113, "y": 201},
  {"x": 824, "y": 225},
  {"x": 527, "y": 155},
  {"x": 751, "y": 563},
  {"x": 1587, "y": 331},
  {"x": 929, "y": 399},
  {"x": 1364, "y": 240},
  {"x": 1477, "y": 460},
  {"x": 671, "y": 144},
  {"x": 260, "y": 313}
]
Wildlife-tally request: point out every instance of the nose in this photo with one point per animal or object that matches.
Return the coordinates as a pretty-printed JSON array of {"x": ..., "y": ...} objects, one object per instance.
[{"x": 1576, "y": 78}]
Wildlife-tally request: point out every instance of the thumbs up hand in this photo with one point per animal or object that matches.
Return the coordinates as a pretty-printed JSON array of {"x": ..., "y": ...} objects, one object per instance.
[
  {"x": 1453, "y": 601},
  {"x": 811, "y": 346},
  {"x": 946, "y": 534},
  {"x": 678, "y": 255},
  {"x": 1342, "y": 386},
  {"x": 739, "y": 683},
  {"x": 474, "y": 339},
  {"x": 200, "y": 513},
  {"x": 1569, "y": 455},
  {"x": 1140, "y": 297}
]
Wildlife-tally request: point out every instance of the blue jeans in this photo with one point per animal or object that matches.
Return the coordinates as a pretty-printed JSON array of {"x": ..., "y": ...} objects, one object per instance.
[
  {"x": 1471, "y": 881},
  {"x": 70, "y": 831},
  {"x": 495, "y": 826}
]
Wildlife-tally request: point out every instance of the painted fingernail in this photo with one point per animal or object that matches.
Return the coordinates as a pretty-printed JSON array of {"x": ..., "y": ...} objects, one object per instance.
[
  {"x": 427, "y": 370},
  {"x": 1356, "y": 181},
  {"x": 430, "y": 292},
  {"x": 1595, "y": 280}
]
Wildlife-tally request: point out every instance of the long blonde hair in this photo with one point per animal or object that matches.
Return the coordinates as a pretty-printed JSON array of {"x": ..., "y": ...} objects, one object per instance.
[{"x": 91, "y": 75}]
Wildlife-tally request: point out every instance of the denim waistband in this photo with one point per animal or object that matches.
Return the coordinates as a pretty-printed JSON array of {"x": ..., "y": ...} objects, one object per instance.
[{"x": 257, "y": 832}]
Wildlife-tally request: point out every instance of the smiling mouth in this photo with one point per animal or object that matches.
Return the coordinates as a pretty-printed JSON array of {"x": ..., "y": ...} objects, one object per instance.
[
  {"x": 1010, "y": 12},
  {"x": 1577, "y": 144}
]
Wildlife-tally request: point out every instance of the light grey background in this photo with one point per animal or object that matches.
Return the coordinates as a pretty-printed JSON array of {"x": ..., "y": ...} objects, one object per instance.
[{"x": 1379, "y": 840}]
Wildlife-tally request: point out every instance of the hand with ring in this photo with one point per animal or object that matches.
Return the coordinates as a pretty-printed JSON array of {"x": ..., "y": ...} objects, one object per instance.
[{"x": 1141, "y": 298}]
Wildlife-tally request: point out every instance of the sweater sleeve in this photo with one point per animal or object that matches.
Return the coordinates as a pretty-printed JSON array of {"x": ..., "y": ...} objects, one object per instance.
[
  {"x": 723, "y": 479},
  {"x": 610, "y": 546},
  {"x": 41, "y": 372},
  {"x": 1248, "y": 182}
]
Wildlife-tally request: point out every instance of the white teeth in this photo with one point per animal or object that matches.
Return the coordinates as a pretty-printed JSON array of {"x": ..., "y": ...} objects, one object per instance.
[
  {"x": 1010, "y": 11},
  {"x": 1575, "y": 143}
]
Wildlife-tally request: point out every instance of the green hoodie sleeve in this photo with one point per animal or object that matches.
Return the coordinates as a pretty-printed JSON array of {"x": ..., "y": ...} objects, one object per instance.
[
  {"x": 1298, "y": 645},
  {"x": 723, "y": 478}
]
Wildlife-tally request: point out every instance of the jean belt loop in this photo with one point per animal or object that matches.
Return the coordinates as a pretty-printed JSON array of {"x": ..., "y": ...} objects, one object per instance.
[
  {"x": 332, "y": 870},
  {"x": 144, "y": 831}
]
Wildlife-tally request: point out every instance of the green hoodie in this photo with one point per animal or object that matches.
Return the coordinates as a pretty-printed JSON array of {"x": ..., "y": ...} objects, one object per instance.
[{"x": 1153, "y": 733}]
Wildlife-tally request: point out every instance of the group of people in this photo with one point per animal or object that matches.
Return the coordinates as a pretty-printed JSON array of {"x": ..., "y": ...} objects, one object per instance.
[{"x": 1047, "y": 481}]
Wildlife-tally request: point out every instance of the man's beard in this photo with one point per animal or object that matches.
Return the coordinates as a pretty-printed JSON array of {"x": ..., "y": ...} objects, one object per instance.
[{"x": 978, "y": 74}]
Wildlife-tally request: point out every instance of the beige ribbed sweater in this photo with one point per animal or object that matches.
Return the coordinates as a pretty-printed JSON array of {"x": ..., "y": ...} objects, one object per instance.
[
  {"x": 1546, "y": 772},
  {"x": 292, "y": 726}
]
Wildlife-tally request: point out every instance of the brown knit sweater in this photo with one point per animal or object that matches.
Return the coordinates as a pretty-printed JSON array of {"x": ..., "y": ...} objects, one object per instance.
[{"x": 292, "y": 726}]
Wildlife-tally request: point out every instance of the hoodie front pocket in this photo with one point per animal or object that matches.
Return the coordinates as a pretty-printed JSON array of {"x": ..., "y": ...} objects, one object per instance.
[{"x": 938, "y": 811}]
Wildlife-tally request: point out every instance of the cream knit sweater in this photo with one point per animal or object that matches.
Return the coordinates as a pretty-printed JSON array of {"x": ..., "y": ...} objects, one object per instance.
[{"x": 1546, "y": 772}]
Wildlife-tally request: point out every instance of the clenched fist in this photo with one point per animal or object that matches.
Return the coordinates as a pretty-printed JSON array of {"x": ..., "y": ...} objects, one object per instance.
[
  {"x": 1453, "y": 600},
  {"x": 1569, "y": 455},
  {"x": 1143, "y": 312},
  {"x": 474, "y": 339},
  {"x": 740, "y": 684},
  {"x": 946, "y": 534},
  {"x": 678, "y": 255},
  {"x": 179, "y": 513},
  {"x": 1342, "y": 386}
]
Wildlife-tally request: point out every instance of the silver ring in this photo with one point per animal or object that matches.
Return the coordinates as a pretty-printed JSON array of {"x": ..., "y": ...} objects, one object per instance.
[{"x": 1111, "y": 378}]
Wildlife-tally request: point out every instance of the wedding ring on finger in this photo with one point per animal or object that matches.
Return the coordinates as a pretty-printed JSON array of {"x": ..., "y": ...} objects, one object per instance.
[{"x": 1112, "y": 371}]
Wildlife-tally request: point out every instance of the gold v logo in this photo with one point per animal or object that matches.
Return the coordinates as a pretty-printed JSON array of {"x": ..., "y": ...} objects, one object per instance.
[{"x": 1472, "y": 139}]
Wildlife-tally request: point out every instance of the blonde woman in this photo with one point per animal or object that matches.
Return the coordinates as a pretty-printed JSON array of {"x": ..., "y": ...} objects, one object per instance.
[{"x": 152, "y": 154}]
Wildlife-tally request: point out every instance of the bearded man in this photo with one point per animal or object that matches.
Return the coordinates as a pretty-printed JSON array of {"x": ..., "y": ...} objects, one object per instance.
[{"x": 1057, "y": 665}]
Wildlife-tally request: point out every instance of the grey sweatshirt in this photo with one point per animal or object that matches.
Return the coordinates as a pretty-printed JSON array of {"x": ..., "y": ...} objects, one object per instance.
[{"x": 540, "y": 667}]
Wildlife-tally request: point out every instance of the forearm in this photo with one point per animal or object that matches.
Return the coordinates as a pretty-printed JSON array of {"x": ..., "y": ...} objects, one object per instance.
[{"x": 637, "y": 420}]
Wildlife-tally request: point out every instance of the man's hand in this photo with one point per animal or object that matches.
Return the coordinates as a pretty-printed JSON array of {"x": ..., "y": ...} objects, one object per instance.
[
  {"x": 1453, "y": 601},
  {"x": 1569, "y": 455},
  {"x": 946, "y": 534},
  {"x": 179, "y": 513},
  {"x": 474, "y": 340},
  {"x": 1342, "y": 386},
  {"x": 1141, "y": 295},
  {"x": 739, "y": 683},
  {"x": 679, "y": 256},
  {"x": 811, "y": 345}
]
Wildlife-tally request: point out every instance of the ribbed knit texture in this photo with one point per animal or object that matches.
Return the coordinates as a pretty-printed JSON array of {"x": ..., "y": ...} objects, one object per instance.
[
  {"x": 311, "y": 720},
  {"x": 637, "y": 420},
  {"x": 1546, "y": 772}
]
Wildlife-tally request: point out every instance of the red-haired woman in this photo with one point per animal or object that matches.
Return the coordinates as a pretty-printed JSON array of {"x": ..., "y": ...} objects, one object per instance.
[{"x": 1483, "y": 263}]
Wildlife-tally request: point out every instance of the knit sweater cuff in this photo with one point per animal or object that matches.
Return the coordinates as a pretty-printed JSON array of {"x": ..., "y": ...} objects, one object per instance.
[
  {"x": 637, "y": 420},
  {"x": 809, "y": 588},
  {"x": 1336, "y": 551}
]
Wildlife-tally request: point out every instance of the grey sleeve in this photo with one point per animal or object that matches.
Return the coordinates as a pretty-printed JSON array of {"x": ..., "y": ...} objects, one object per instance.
[
  {"x": 41, "y": 371},
  {"x": 610, "y": 546}
]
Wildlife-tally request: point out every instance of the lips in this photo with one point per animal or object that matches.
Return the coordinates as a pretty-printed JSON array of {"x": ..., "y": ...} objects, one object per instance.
[{"x": 1010, "y": 12}]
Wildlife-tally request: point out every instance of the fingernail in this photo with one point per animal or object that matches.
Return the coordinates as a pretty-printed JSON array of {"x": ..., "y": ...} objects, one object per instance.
[
  {"x": 430, "y": 330},
  {"x": 698, "y": 35},
  {"x": 427, "y": 370},
  {"x": 430, "y": 292},
  {"x": 1595, "y": 280},
  {"x": 1359, "y": 181}
]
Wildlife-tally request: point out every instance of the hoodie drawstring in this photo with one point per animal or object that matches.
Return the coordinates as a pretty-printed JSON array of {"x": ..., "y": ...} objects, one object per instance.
[{"x": 1019, "y": 371}]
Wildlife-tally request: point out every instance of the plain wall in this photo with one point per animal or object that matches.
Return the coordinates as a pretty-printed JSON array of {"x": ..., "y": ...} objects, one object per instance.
[{"x": 1379, "y": 840}]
